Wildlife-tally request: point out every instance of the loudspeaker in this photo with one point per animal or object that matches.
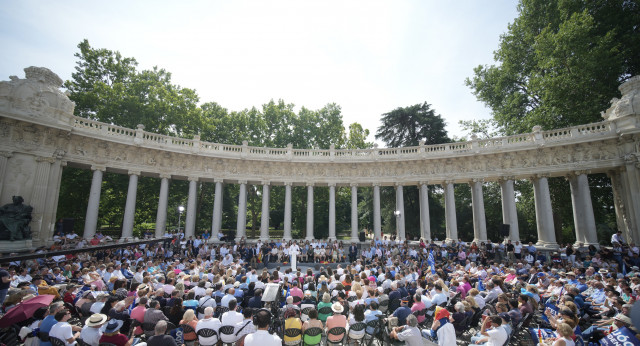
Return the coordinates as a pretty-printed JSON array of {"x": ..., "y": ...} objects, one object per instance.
[
  {"x": 504, "y": 230},
  {"x": 67, "y": 225},
  {"x": 362, "y": 236}
]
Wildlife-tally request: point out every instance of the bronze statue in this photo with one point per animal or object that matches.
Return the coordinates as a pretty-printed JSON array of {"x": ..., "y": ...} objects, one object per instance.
[{"x": 14, "y": 220}]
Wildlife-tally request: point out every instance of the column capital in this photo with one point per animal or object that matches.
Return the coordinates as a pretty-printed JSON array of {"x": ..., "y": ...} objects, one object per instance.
[
  {"x": 193, "y": 178},
  {"x": 288, "y": 183},
  {"x": 311, "y": 184},
  {"x": 477, "y": 180},
  {"x": 265, "y": 183},
  {"x": 242, "y": 182},
  {"x": 98, "y": 168},
  {"x": 165, "y": 176},
  {"x": 375, "y": 184},
  {"x": 506, "y": 178},
  {"x": 332, "y": 184},
  {"x": 538, "y": 176},
  {"x": 353, "y": 184},
  {"x": 63, "y": 163},
  {"x": 424, "y": 182},
  {"x": 45, "y": 159},
  {"x": 448, "y": 181},
  {"x": 6, "y": 154},
  {"x": 218, "y": 180},
  {"x": 133, "y": 172},
  {"x": 398, "y": 184}
]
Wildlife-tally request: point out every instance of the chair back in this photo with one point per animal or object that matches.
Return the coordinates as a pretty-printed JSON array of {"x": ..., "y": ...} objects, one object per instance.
[
  {"x": 325, "y": 310},
  {"x": 358, "y": 326},
  {"x": 336, "y": 331},
  {"x": 207, "y": 333},
  {"x": 311, "y": 332},
  {"x": 296, "y": 299},
  {"x": 56, "y": 341},
  {"x": 292, "y": 332},
  {"x": 187, "y": 328},
  {"x": 43, "y": 336}
]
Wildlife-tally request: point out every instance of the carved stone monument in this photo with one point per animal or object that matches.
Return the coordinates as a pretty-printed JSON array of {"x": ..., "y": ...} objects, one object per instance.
[{"x": 14, "y": 223}]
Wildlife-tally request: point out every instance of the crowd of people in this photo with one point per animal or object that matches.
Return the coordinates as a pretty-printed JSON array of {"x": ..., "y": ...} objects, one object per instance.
[{"x": 416, "y": 293}]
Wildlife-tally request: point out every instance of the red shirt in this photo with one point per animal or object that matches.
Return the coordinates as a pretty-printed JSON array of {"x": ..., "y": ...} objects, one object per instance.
[{"x": 118, "y": 339}]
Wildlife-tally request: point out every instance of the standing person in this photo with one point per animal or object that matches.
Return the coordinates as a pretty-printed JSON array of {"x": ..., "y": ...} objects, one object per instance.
[
  {"x": 353, "y": 252},
  {"x": 262, "y": 337}
]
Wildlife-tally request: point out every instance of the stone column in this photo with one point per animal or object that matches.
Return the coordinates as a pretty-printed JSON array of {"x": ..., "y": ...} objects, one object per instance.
[
  {"x": 190, "y": 220},
  {"x": 4, "y": 157},
  {"x": 216, "y": 223},
  {"x": 51, "y": 203},
  {"x": 631, "y": 181},
  {"x": 354, "y": 212},
  {"x": 287, "y": 211},
  {"x": 400, "y": 207},
  {"x": 583, "y": 219},
  {"x": 509, "y": 211},
  {"x": 332, "y": 211},
  {"x": 544, "y": 213},
  {"x": 309, "y": 211},
  {"x": 161, "y": 216},
  {"x": 425, "y": 221},
  {"x": 130, "y": 207},
  {"x": 450, "y": 211},
  {"x": 91, "y": 220},
  {"x": 39, "y": 198},
  {"x": 241, "y": 225},
  {"x": 377, "y": 222},
  {"x": 479, "y": 218},
  {"x": 622, "y": 219},
  {"x": 264, "y": 219}
]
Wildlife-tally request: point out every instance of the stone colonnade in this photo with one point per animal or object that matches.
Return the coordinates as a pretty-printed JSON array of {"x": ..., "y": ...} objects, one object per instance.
[
  {"x": 39, "y": 135},
  {"x": 580, "y": 195}
]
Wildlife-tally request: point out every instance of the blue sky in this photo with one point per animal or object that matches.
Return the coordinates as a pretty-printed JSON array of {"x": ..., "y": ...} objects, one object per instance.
[{"x": 367, "y": 56}]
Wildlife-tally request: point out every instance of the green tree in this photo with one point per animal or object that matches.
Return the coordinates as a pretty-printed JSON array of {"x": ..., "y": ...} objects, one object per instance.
[
  {"x": 560, "y": 63},
  {"x": 407, "y": 126}
]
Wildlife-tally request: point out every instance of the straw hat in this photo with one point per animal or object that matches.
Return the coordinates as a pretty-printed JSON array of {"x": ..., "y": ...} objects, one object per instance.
[
  {"x": 96, "y": 320},
  {"x": 337, "y": 308}
]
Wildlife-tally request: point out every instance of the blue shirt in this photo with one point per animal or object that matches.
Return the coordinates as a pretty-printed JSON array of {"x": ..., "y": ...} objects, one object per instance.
[
  {"x": 45, "y": 326},
  {"x": 401, "y": 313}
]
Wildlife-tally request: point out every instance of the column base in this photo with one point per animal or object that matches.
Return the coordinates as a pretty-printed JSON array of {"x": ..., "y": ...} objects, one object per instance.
[
  {"x": 547, "y": 245},
  {"x": 577, "y": 244},
  {"x": 309, "y": 238},
  {"x": 8, "y": 246},
  {"x": 480, "y": 241},
  {"x": 355, "y": 240}
]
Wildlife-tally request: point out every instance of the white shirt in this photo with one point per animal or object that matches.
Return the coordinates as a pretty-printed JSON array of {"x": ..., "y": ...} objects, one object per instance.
[
  {"x": 413, "y": 337},
  {"x": 91, "y": 335},
  {"x": 447, "y": 335},
  {"x": 262, "y": 338},
  {"x": 62, "y": 331},
  {"x": 497, "y": 337},
  {"x": 231, "y": 318},
  {"x": 208, "y": 323}
]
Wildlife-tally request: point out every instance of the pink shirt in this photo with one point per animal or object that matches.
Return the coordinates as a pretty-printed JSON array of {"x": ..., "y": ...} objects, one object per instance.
[
  {"x": 336, "y": 321},
  {"x": 417, "y": 306},
  {"x": 138, "y": 314}
]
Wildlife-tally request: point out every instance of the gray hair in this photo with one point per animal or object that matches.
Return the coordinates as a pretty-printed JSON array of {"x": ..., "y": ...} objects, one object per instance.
[
  {"x": 459, "y": 307},
  {"x": 54, "y": 306},
  {"x": 208, "y": 311},
  {"x": 412, "y": 321},
  {"x": 161, "y": 327}
]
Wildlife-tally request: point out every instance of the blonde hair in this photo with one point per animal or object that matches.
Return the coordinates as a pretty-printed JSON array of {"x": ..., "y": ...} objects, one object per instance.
[
  {"x": 472, "y": 302},
  {"x": 188, "y": 316},
  {"x": 564, "y": 330}
]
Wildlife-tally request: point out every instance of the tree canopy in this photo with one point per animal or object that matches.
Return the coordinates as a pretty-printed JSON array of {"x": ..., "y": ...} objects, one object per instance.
[
  {"x": 407, "y": 126},
  {"x": 559, "y": 63}
]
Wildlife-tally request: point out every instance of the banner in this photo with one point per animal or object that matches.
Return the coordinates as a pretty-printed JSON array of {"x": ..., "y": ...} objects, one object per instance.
[
  {"x": 554, "y": 311},
  {"x": 177, "y": 335},
  {"x": 620, "y": 337},
  {"x": 541, "y": 333}
]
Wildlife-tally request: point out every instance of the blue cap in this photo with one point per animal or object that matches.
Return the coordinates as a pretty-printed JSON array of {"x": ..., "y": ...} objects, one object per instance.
[{"x": 541, "y": 275}]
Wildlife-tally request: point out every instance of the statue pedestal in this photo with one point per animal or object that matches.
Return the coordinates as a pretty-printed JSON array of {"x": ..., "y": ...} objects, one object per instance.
[{"x": 7, "y": 246}]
